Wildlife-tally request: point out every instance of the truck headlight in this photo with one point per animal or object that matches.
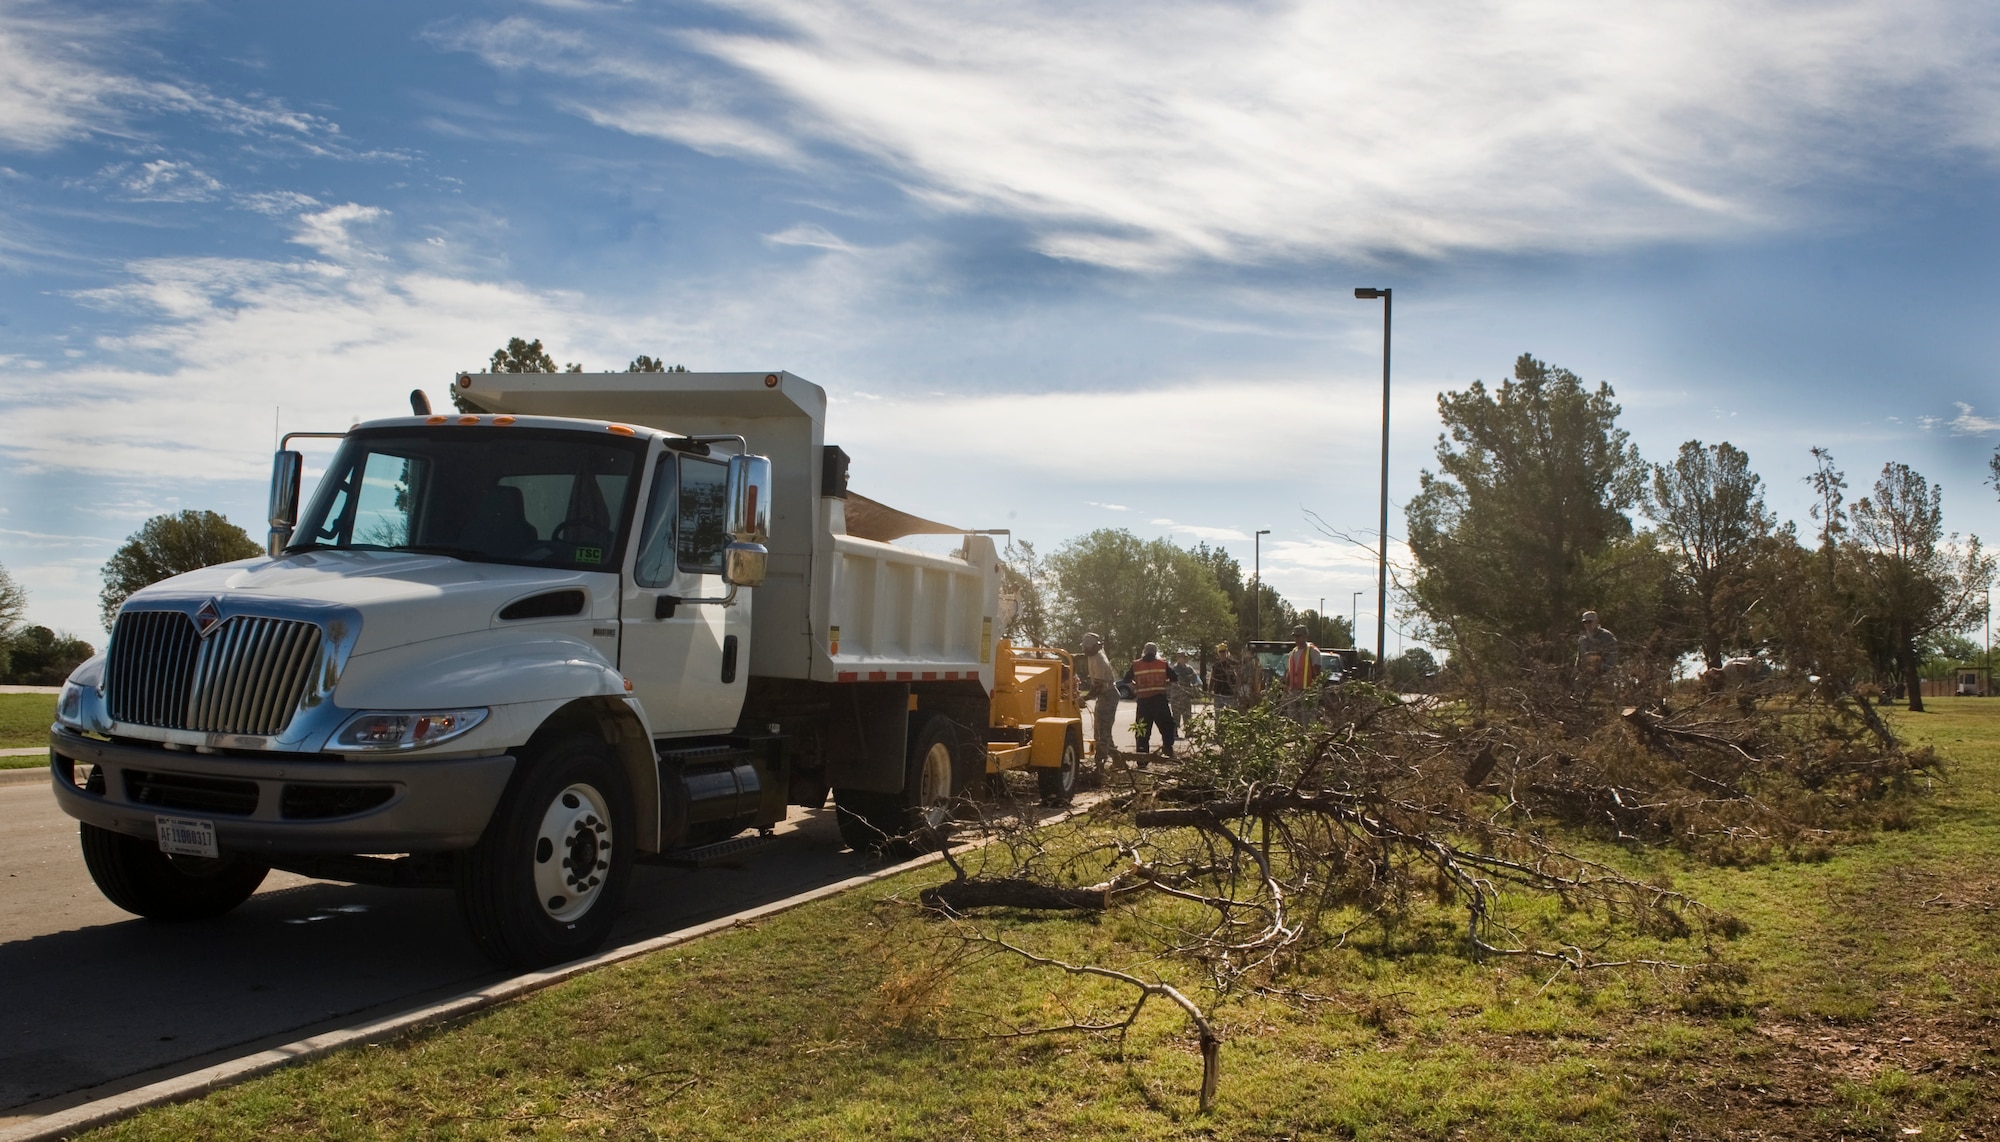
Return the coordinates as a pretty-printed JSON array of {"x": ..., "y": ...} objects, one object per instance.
[
  {"x": 400, "y": 730},
  {"x": 69, "y": 707}
]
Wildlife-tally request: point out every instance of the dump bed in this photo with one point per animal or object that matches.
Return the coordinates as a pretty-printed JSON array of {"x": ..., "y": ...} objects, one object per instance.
[{"x": 834, "y": 607}]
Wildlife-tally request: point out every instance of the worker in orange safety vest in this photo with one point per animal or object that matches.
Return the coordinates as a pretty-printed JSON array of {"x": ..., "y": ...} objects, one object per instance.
[
  {"x": 1150, "y": 678},
  {"x": 1303, "y": 667}
]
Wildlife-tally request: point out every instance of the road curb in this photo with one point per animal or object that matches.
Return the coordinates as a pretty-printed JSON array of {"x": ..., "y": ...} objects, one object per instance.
[
  {"x": 182, "y": 1088},
  {"x": 38, "y": 774}
]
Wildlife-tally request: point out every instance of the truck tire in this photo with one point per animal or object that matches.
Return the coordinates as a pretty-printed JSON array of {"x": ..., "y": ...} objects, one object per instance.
[
  {"x": 142, "y": 880},
  {"x": 1059, "y": 785},
  {"x": 910, "y": 821},
  {"x": 544, "y": 882}
]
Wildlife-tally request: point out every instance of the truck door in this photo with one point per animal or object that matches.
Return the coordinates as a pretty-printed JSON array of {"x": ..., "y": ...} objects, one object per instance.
[{"x": 687, "y": 661}]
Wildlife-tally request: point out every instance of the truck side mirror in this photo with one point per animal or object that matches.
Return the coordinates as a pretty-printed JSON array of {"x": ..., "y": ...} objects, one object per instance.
[
  {"x": 286, "y": 470},
  {"x": 745, "y": 559}
]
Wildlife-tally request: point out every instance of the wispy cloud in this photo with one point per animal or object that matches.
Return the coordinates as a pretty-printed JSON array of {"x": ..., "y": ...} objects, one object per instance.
[
  {"x": 161, "y": 180},
  {"x": 1198, "y": 531},
  {"x": 56, "y": 86},
  {"x": 626, "y": 88},
  {"x": 1266, "y": 132},
  {"x": 327, "y": 230},
  {"x": 808, "y": 234},
  {"x": 1970, "y": 423}
]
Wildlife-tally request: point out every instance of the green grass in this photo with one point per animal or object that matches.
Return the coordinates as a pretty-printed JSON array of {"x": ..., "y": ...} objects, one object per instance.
[
  {"x": 24, "y": 721},
  {"x": 1860, "y": 1002}
]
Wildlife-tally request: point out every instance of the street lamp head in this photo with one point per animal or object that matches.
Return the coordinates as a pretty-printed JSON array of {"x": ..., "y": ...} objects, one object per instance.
[
  {"x": 1265, "y": 531},
  {"x": 1367, "y": 294}
]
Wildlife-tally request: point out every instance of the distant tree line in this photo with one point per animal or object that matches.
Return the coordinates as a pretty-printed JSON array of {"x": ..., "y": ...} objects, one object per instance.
[
  {"x": 521, "y": 355},
  {"x": 1542, "y": 508}
]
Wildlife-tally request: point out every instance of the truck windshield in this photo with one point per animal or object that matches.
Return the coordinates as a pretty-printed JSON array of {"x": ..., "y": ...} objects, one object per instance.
[{"x": 492, "y": 495}]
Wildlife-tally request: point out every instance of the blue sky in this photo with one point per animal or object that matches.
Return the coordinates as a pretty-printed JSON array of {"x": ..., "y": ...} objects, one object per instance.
[{"x": 1059, "y": 265}]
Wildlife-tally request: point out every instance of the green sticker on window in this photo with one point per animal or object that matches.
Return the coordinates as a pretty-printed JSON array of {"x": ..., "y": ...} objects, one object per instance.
[{"x": 590, "y": 555}]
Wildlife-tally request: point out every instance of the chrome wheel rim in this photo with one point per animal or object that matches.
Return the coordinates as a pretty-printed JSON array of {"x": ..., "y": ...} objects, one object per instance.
[
  {"x": 572, "y": 852},
  {"x": 934, "y": 785}
]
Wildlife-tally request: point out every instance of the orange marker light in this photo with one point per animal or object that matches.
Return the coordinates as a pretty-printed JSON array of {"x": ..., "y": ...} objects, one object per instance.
[
  {"x": 464, "y": 381},
  {"x": 770, "y": 380},
  {"x": 619, "y": 429},
  {"x": 503, "y": 420},
  {"x": 437, "y": 420},
  {"x": 628, "y": 684}
]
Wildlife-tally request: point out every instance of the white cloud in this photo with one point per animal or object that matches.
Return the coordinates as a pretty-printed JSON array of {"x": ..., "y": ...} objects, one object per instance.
[
  {"x": 55, "y": 87},
  {"x": 327, "y": 230},
  {"x": 647, "y": 99},
  {"x": 276, "y": 203},
  {"x": 808, "y": 234},
  {"x": 1970, "y": 423},
  {"x": 1198, "y": 531},
  {"x": 1246, "y": 132},
  {"x": 163, "y": 180}
]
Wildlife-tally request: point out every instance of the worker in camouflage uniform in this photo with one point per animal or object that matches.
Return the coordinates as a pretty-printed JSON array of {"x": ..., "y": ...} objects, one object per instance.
[{"x": 1100, "y": 686}]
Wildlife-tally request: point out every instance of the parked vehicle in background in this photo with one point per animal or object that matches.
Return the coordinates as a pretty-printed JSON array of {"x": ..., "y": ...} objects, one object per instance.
[{"x": 1341, "y": 664}]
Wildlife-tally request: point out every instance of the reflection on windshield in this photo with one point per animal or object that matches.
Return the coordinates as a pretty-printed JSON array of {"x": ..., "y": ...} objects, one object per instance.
[{"x": 495, "y": 495}]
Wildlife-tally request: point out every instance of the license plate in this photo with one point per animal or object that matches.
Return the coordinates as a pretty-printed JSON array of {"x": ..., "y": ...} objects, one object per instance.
[{"x": 187, "y": 836}]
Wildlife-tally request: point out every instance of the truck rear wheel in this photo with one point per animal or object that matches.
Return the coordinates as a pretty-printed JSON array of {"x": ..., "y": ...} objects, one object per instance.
[
  {"x": 910, "y": 821},
  {"x": 544, "y": 883},
  {"x": 142, "y": 880},
  {"x": 1059, "y": 785}
]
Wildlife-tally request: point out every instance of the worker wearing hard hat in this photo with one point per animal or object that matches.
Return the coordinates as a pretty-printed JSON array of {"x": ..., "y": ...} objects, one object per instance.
[{"x": 1101, "y": 687}]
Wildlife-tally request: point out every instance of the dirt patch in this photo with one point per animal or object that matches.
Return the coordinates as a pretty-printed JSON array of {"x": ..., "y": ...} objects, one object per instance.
[{"x": 1891, "y": 1078}]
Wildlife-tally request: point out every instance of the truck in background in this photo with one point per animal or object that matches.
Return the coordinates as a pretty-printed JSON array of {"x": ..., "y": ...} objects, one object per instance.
[{"x": 606, "y": 618}]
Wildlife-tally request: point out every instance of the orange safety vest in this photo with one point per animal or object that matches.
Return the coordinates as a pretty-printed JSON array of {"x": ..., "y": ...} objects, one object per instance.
[
  {"x": 1302, "y": 667},
  {"x": 1149, "y": 678}
]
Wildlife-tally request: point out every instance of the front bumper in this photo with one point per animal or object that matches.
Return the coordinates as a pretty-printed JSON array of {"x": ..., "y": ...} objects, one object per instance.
[{"x": 312, "y": 805}]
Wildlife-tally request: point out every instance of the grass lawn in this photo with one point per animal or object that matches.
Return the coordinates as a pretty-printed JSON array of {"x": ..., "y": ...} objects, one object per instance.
[
  {"x": 1860, "y": 1002},
  {"x": 24, "y": 721}
]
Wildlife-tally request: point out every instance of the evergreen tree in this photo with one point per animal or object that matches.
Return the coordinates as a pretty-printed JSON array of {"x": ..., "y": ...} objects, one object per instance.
[{"x": 1520, "y": 528}]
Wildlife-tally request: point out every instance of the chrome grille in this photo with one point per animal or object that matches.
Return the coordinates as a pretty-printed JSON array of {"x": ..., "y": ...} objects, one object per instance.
[{"x": 246, "y": 677}]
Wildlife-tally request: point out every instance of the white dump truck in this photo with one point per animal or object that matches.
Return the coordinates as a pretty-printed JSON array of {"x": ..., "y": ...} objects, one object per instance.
[{"x": 603, "y": 618}]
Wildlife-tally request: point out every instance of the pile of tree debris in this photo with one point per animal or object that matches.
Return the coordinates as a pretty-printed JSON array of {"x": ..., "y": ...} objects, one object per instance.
[{"x": 1284, "y": 831}]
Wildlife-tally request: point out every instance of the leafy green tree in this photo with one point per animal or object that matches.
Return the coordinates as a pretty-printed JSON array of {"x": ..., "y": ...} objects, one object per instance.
[
  {"x": 1252, "y": 605},
  {"x": 1134, "y": 591},
  {"x": 645, "y": 364},
  {"x": 169, "y": 545},
  {"x": 1513, "y": 535},
  {"x": 521, "y": 356},
  {"x": 41, "y": 657},
  {"x": 13, "y": 608},
  {"x": 517, "y": 356},
  {"x": 1946, "y": 652},
  {"x": 1710, "y": 510},
  {"x": 1324, "y": 630},
  {"x": 1025, "y": 588},
  {"x": 1914, "y": 579},
  {"x": 1411, "y": 670}
]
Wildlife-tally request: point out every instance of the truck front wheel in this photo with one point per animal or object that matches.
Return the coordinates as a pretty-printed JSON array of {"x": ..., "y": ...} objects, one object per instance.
[
  {"x": 141, "y": 879},
  {"x": 544, "y": 882}
]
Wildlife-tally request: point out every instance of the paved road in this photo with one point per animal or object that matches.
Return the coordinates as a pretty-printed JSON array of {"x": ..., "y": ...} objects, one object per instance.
[{"x": 94, "y": 999}]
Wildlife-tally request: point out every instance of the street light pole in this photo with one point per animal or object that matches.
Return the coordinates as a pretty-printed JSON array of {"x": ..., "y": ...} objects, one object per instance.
[
  {"x": 1382, "y": 556},
  {"x": 1354, "y": 623},
  {"x": 1257, "y": 584}
]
